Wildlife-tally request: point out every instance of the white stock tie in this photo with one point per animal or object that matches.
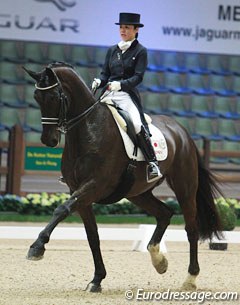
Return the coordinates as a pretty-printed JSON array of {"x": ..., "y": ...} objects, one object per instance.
[{"x": 124, "y": 45}]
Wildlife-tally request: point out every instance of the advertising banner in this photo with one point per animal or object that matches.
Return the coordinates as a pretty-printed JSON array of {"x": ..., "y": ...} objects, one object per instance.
[
  {"x": 43, "y": 158},
  {"x": 176, "y": 25}
]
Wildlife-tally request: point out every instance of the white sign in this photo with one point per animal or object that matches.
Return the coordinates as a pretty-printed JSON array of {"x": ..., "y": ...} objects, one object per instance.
[{"x": 178, "y": 25}]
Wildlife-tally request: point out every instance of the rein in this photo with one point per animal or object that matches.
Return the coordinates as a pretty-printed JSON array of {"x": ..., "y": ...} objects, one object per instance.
[
  {"x": 63, "y": 125},
  {"x": 74, "y": 121}
]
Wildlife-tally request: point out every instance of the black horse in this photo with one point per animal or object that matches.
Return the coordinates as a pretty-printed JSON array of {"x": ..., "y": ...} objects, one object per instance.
[{"x": 95, "y": 164}]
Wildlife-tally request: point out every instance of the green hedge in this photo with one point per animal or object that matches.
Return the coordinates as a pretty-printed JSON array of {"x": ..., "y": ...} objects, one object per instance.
[
  {"x": 45, "y": 204},
  {"x": 35, "y": 204},
  {"x": 227, "y": 210}
]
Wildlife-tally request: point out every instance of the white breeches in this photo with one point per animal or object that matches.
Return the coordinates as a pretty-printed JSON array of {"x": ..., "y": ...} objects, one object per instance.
[{"x": 124, "y": 101}]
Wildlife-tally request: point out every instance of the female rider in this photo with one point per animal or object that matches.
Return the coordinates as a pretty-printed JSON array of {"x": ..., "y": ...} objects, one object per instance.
[{"x": 123, "y": 70}]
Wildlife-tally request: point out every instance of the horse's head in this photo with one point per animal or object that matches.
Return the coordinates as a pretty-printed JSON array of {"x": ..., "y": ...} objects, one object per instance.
[{"x": 52, "y": 102}]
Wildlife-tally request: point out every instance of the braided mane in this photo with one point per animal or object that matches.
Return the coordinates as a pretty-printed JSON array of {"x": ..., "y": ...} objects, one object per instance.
[{"x": 58, "y": 64}]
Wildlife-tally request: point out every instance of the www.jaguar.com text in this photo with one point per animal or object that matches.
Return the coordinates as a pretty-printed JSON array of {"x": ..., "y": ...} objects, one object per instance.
[{"x": 198, "y": 296}]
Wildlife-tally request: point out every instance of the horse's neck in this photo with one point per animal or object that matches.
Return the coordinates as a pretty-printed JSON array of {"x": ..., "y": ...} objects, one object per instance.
[
  {"x": 90, "y": 134},
  {"x": 80, "y": 101},
  {"x": 79, "y": 96}
]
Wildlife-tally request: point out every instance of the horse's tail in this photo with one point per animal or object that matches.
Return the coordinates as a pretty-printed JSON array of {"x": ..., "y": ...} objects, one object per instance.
[{"x": 208, "y": 219}]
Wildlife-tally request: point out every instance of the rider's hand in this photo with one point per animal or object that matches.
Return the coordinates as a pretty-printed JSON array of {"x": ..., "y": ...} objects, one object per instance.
[
  {"x": 96, "y": 83},
  {"x": 114, "y": 86}
]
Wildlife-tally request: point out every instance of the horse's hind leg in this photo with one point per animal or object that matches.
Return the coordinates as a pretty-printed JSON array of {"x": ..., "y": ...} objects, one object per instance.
[
  {"x": 37, "y": 249},
  {"x": 185, "y": 191},
  {"x": 191, "y": 227},
  {"x": 163, "y": 214}
]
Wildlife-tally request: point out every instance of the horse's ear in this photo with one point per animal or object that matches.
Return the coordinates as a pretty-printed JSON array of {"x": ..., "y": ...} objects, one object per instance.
[
  {"x": 33, "y": 74},
  {"x": 51, "y": 75}
]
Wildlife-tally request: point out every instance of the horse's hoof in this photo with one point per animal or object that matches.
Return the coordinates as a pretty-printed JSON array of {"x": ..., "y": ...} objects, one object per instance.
[
  {"x": 159, "y": 261},
  {"x": 162, "y": 266},
  {"x": 91, "y": 287},
  {"x": 190, "y": 283},
  {"x": 35, "y": 254},
  {"x": 189, "y": 287}
]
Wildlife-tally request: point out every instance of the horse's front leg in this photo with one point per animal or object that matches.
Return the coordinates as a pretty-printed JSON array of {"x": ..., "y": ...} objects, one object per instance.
[
  {"x": 37, "y": 249},
  {"x": 89, "y": 221}
]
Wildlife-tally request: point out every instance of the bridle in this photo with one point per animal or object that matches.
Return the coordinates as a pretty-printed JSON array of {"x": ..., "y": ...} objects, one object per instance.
[{"x": 61, "y": 121}]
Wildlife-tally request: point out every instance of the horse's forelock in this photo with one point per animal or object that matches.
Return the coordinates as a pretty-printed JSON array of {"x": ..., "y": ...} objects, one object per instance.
[{"x": 44, "y": 79}]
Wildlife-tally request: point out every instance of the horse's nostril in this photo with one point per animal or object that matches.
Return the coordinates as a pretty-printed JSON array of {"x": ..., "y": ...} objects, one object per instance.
[{"x": 50, "y": 141}]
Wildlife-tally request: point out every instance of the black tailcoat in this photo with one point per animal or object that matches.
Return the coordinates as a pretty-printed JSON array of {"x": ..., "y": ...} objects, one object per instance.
[{"x": 127, "y": 68}]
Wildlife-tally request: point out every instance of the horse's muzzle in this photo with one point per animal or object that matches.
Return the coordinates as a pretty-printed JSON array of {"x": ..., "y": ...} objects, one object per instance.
[{"x": 50, "y": 137}]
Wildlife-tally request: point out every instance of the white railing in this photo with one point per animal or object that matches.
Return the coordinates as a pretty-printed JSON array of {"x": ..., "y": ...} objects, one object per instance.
[{"x": 140, "y": 235}]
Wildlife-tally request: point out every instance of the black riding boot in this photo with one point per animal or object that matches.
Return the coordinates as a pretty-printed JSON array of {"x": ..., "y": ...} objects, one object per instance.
[{"x": 144, "y": 142}]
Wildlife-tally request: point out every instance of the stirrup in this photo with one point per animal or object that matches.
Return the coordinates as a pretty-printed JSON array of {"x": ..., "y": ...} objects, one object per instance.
[
  {"x": 62, "y": 181},
  {"x": 153, "y": 172}
]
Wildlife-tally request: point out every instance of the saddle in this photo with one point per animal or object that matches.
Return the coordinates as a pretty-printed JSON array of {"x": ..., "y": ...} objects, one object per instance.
[{"x": 127, "y": 131}]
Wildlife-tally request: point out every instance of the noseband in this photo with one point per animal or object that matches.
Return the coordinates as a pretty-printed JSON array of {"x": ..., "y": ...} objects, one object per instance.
[{"x": 62, "y": 124}]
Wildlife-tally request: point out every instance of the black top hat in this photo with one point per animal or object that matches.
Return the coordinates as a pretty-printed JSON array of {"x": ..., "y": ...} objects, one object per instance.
[{"x": 130, "y": 18}]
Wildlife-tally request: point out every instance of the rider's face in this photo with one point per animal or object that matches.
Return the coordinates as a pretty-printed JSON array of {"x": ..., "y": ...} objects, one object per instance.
[{"x": 127, "y": 32}]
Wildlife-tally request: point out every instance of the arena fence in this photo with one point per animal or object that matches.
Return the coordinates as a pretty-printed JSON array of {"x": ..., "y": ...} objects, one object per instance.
[{"x": 15, "y": 164}]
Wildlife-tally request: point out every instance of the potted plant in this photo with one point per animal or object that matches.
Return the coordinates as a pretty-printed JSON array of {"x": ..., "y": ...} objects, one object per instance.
[{"x": 228, "y": 219}]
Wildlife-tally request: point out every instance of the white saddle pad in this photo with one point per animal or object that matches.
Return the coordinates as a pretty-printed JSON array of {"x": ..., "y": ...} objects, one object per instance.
[{"x": 158, "y": 141}]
